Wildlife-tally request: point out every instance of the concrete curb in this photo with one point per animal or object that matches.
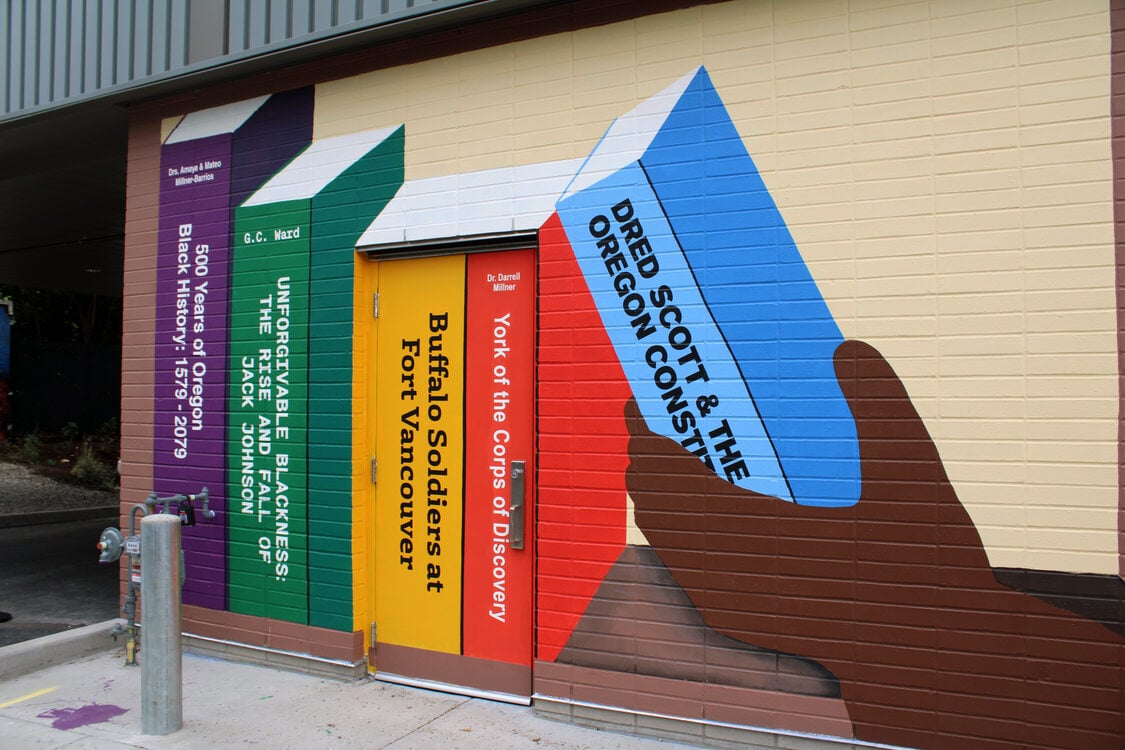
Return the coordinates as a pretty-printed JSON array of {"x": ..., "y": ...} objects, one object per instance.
[
  {"x": 58, "y": 516},
  {"x": 39, "y": 653}
]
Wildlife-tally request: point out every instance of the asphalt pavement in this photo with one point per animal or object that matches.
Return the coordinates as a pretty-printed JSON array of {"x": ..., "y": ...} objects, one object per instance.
[{"x": 51, "y": 580}]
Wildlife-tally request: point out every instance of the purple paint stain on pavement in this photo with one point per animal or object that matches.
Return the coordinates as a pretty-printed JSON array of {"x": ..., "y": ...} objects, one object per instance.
[{"x": 72, "y": 718}]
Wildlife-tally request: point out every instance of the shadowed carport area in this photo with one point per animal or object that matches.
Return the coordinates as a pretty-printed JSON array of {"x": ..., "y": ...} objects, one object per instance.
[{"x": 62, "y": 200}]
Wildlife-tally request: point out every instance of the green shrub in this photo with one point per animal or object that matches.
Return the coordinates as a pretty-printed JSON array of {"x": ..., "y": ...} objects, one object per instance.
[
  {"x": 92, "y": 471},
  {"x": 108, "y": 428},
  {"x": 70, "y": 432},
  {"x": 108, "y": 436},
  {"x": 30, "y": 448}
]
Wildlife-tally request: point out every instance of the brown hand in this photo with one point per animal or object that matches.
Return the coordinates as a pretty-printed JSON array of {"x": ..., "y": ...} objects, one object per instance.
[{"x": 895, "y": 594}]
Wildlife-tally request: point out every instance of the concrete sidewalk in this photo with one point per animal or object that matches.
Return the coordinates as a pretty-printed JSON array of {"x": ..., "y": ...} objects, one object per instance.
[{"x": 93, "y": 703}]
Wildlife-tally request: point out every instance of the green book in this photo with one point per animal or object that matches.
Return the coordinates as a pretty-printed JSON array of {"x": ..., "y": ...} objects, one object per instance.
[{"x": 289, "y": 543}]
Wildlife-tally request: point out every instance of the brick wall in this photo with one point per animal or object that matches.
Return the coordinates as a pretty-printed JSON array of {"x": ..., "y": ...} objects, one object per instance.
[
  {"x": 945, "y": 171},
  {"x": 138, "y": 321}
]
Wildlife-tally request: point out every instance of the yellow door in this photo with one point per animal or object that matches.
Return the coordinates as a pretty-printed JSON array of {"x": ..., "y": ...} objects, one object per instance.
[{"x": 452, "y": 570}]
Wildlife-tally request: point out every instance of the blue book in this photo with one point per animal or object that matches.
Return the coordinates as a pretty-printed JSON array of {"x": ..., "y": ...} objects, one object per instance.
[{"x": 717, "y": 322}]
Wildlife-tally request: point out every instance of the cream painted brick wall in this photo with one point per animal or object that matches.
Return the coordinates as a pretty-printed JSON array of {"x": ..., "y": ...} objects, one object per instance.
[{"x": 944, "y": 167}]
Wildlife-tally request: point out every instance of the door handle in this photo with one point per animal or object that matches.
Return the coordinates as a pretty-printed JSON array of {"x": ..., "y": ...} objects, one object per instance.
[{"x": 517, "y": 475}]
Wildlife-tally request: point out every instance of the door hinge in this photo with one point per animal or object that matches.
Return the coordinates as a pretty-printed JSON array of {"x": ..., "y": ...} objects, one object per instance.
[
  {"x": 374, "y": 465},
  {"x": 373, "y": 638},
  {"x": 375, "y": 305}
]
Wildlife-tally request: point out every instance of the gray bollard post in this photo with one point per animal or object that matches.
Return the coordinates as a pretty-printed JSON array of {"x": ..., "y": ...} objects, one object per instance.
[{"x": 162, "y": 706}]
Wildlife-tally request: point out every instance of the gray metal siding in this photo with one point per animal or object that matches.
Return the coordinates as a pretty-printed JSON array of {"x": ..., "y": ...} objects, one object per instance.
[
  {"x": 258, "y": 23},
  {"x": 57, "y": 52}
]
